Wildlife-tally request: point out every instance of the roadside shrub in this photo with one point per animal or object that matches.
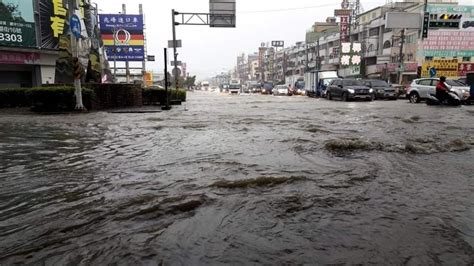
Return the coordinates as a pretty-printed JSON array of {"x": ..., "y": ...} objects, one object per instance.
[
  {"x": 158, "y": 96},
  {"x": 56, "y": 99},
  {"x": 15, "y": 97}
]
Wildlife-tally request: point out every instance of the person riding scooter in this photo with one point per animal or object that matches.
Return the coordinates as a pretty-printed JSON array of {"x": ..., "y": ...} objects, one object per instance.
[
  {"x": 444, "y": 96},
  {"x": 442, "y": 90}
]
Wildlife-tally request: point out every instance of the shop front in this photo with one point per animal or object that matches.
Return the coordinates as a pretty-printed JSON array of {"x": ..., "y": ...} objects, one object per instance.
[{"x": 19, "y": 69}]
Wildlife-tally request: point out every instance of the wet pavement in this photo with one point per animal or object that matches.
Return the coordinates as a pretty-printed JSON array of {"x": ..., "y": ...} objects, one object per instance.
[{"x": 240, "y": 180}]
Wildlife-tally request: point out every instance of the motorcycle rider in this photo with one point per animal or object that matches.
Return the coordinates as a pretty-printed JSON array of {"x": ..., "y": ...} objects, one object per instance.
[{"x": 442, "y": 89}]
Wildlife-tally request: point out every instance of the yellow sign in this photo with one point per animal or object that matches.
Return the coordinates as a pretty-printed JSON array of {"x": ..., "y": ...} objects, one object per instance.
[
  {"x": 444, "y": 67},
  {"x": 58, "y": 21}
]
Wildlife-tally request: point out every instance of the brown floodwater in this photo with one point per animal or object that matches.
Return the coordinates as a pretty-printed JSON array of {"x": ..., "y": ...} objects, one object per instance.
[{"x": 240, "y": 180}]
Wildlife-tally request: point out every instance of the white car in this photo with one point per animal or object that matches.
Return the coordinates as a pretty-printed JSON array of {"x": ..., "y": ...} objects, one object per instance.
[
  {"x": 281, "y": 90},
  {"x": 419, "y": 89}
]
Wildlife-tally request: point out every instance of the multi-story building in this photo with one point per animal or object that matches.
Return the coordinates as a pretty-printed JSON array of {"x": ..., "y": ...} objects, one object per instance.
[
  {"x": 247, "y": 67},
  {"x": 30, "y": 45},
  {"x": 380, "y": 45}
]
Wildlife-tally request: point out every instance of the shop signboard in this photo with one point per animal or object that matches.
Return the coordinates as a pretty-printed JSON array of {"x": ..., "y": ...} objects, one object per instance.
[
  {"x": 53, "y": 17},
  {"x": 392, "y": 67},
  {"x": 443, "y": 67},
  {"x": 344, "y": 29},
  {"x": 17, "y": 27},
  {"x": 123, "y": 36},
  {"x": 464, "y": 68},
  {"x": 351, "y": 54},
  {"x": 448, "y": 43},
  {"x": 19, "y": 58}
]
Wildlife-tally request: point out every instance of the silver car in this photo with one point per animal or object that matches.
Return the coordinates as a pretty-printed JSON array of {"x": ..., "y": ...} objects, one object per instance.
[
  {"x": 421, "y": 88},
  {"x": 281, "y": 90}
]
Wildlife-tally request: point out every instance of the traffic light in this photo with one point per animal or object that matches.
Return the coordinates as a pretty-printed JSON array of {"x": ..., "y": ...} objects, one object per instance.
[
  {"x": 78, "y": 69},
  {"x": 418, "y": 71},
  {"x": 445, "y": 20},
  {"x": 426, "y": 25}
]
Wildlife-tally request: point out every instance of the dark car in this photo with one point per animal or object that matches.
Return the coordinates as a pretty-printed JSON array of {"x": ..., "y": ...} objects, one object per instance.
[
  {"x": 349, "y": 89},
  {"x": 382, "y": 90},
  {"x": 267, "y": 88}
]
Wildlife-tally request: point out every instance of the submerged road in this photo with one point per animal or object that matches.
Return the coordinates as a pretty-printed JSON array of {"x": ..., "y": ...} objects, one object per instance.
[{"x": 240, "y": 180}]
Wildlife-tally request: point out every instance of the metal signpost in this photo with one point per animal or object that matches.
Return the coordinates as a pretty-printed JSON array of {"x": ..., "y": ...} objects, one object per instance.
[
  {"x": 402, "y": 21},
  {"x": 221, "y": 15},
  {"x": 75, "y": 27}
]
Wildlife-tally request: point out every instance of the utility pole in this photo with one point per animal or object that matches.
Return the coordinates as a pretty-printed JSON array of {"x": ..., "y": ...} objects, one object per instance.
[
  {"x": 115, "y": 53},
  {"x": 318, "y": 59},
  {"x": 140, "y": 11},
  {"x": 167, "y": 106},
  {"x": 400, "y": 59},
  {"x": 74, "y": 38},
  {"x": 127, "y": 67},
  {"x": 175, "y": 54}
]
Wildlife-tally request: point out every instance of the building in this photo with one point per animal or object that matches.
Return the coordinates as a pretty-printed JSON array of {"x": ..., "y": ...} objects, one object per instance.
[{"x": 30, "y": 49}]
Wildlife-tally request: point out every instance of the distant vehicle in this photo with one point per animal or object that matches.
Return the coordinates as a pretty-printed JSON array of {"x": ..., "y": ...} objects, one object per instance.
[
  {"x": 267, "y": 88},
  {"x": 299, "y": 87},
  {"x": 205, "y": 86},
  {"x": 349, "y": 89},
  {"x": 224, "y": 87},
  {"x": 234, "y": 87},
  {"x": 281, "y": 90},
  {"x": 254, "y": 87},
  {"x": 382, "y": 90},
  {"x": 420, "y": 89},
  {"x": 316, "y": 82}
]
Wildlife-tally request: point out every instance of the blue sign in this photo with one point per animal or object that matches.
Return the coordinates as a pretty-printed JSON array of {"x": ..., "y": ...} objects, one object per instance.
[
  {"x": 125, "y": 53},
  {"x": 111, "y": 22},
  {"x": 433, "y": 72},
  {"x": 75, "y": 23}
]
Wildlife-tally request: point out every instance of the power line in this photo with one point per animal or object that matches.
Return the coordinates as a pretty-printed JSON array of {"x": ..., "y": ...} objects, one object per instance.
[
  {"x": 294, "y": 9},
  {"x": 287, "y": 9}
]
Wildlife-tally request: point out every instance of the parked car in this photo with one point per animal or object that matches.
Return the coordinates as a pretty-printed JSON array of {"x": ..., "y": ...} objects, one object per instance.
[
  {"x": 419, "y": 89},
  {"x": 281, "y": 90},
  {"x": 349, "y": 89},
  {"x": 382, "y": 90}
]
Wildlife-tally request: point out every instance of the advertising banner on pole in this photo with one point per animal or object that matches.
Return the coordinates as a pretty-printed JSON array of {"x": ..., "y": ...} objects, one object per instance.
[
  {"x": 123, "y": 36},
  {"x": 17, "y": 27},
  {"x": 53, "y": 16},
  {"x": 344, "y": 29}
]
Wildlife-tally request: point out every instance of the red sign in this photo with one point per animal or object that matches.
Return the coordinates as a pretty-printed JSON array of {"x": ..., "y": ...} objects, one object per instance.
[
  {"x": 392, "y": 67},
  {"x": 465, "y": 68},
  {"x": 19, "y": 58},
  {"x": 344, "y": 29}
]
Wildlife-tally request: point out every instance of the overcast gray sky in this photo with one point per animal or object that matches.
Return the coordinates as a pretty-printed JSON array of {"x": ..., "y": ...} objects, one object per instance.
[{"x": 210, "y": 51}]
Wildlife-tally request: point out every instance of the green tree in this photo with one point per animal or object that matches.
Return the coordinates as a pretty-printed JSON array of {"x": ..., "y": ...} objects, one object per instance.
[{"x": 190, "y": 81}]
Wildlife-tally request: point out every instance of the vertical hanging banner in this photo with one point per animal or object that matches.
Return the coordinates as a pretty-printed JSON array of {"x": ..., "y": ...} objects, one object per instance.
[
  {"x": 123, "y": 36},
  {"x": 344, "y": 29},
  {"x": 53, "y": 16},
  {"x": 17, "y": 27}
]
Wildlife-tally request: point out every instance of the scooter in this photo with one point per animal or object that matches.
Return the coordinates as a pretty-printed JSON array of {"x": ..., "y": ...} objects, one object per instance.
[{"x": 452, "y": 99}]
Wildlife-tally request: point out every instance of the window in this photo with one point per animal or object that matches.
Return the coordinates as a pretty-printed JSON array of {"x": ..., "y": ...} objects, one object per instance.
[
  {"x": 387, "y": 44},
  {"x": 411, "y": 38},
  {"x": 466, "y": 59},
  {"x": 428, "y": 58},
  {"x": 425, "y": 82},
  {"x": 349, "y": 82},
  {"x": 374, "y": 32}
]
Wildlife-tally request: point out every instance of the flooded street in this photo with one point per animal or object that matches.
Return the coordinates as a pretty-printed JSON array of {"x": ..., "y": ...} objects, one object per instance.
[{"x": 240, "y": 180}]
